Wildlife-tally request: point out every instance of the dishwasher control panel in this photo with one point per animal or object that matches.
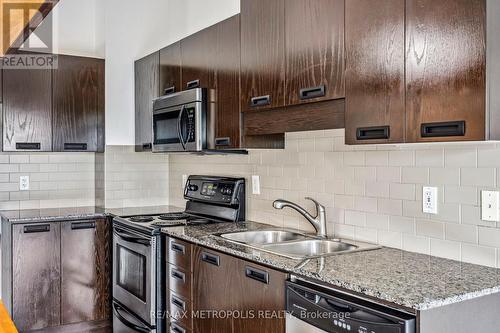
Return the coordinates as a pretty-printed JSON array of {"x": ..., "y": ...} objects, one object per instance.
[{"x": 336, "y": 312}]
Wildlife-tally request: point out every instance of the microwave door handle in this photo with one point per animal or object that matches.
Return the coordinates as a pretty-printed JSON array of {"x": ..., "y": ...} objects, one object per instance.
[{"x": 179, "y": 129}]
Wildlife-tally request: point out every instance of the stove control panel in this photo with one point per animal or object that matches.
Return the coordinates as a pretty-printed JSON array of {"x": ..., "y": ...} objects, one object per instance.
[{"x": 216, "y": 190}]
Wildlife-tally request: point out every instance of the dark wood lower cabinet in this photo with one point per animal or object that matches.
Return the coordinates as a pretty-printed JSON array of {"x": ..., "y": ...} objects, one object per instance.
[
  {"x": 59, "y": 275},
  {"x": 259, "y": 291},
  {"x": 85, "y": 270},
  {"x": 213, "y": 282},
  {"x": 36, "y": 275},
  {"x": 225, "y": 287}
]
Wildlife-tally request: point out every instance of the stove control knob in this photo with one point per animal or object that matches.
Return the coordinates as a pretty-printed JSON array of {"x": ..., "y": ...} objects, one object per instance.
[{"x": 193, "y": 187}]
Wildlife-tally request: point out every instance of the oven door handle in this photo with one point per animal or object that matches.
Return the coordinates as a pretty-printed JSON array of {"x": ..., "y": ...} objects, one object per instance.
[
  {"x": 179, "y": 129},
  {"x": 131, "y": 238},
  {"x": 116, "y": 310}
]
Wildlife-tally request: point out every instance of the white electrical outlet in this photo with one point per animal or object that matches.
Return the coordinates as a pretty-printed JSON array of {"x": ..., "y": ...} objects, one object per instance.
[
  {"x": 430, "y": 200},
  {"x": 256, "y": 185},
  {"x": 184, "y": 182},
  {"x": 24, "y": 183},
  {"x": 490, "y": 204}
]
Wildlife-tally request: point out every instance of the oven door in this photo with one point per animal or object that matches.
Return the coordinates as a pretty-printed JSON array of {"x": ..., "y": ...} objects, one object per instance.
[
  {"x": 134, "y": 272},
  {"x": 179, "y": 129}
]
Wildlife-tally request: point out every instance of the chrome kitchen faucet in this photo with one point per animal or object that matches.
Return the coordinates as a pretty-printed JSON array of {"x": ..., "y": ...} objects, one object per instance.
[{"x": 318, "y": 221}]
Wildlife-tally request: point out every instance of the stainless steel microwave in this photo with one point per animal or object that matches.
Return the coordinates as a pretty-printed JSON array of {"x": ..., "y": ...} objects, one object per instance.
[{"x": 180, "y": 122}]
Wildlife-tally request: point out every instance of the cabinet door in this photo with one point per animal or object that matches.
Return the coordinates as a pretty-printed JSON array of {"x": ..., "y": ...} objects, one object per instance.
[
  {"x": 147, "y": 72},
  {"x": 267, "y": 288},
  {"x": 198, "y": 52},
  {"x": 36, "y": 274},
  {"x": 227, "y": 126},
  {"x": 77, "y": 101},
  {"x": 314, "y": 41},
  {"x": 262, "y": 54},
  {"x": 375, "y": 72},
  {"x": 85, "y": 271},
  {"x": 170, "y": 69},
  {"x": 214, "y": 279},
  {"x": 445, "y": 70},
  {"x": 27, "y": 110}
]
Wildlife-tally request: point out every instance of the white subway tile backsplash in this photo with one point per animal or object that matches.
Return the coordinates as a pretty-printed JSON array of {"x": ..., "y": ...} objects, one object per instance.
[
  {"x": 377, "y": 158},
  {"x": 430, "y": 158},
  {"x": 402, "y": 191},
  {"x": 489, "y": 236},
  {"x": 410, "y": 175},
  {"x": 402, "y": 158},
  {"x": 445, "y": 249},
  {"x": 479, "y": 254},
  {"x": 461, "y": 233},
  {"x": 389, "y": 174},
  {"x": 402, "y": 224},
  {"x": 430, "y": 229},
  {"x": 372, "y": 193},
  {"x": 461, "y": 158},
  {"x": 477, "y": 177},
  {"x": 444, "y": 176},
  {"x": 461, "y": 194}
]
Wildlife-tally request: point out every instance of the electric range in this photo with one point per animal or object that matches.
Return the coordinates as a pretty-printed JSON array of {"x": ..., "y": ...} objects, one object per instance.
[{"x": 139, "y": 265}]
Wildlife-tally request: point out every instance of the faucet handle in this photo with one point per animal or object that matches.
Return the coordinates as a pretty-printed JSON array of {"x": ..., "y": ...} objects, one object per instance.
[{"x": 319, "y": 207}]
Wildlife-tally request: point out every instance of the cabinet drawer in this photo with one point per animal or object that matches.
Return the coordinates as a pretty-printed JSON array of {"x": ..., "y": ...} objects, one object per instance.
[
  {"x": 179, "y": 254},
  {"x": 176, "y": 327},
  {"x": 180, "y": 281},
  {"x": 181, "y": 310}
]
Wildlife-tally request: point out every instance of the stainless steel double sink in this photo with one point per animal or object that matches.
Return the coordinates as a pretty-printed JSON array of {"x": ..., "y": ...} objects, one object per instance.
[{"x": 294, "y": 245}]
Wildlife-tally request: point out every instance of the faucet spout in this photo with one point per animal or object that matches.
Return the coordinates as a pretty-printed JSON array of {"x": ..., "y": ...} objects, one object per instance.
[{"x": 318, "y": 221}]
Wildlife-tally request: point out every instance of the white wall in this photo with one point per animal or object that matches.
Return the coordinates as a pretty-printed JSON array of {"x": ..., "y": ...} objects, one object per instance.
[
  {"x": 134, "y": 29},
  {"x": 77, "y": 28}
]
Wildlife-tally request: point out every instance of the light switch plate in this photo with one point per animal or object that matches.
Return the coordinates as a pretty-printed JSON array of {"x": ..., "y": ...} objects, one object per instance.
[
  {"x": 24, "y": 183},
  {"x": 490, "y": 205},
  {"x": 430, "y": 200},
  {"x": 256, "y": 185},
  {"x": 184, "y": 182}
]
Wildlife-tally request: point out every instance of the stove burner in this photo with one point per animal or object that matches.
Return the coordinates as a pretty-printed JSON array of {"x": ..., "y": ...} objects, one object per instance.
[
  {"x": 173, "y": 216},
  {"x": 168, "y": 224},
  {"x": 198, "y": 221},
  {"x": 141, "y": 219}
]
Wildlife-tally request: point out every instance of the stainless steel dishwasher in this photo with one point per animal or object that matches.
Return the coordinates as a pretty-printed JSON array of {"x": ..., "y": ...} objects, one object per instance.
[{"x": 314, "y": 309}]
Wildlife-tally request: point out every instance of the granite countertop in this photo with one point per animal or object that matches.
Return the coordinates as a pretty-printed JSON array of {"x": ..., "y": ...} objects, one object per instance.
[
  {"x": 411, "y": 280},
  {"x": 78, "y": 213}
]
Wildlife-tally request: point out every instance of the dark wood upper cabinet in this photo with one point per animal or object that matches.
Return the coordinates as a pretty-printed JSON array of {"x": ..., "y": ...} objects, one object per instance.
[
  {"x": 375, "y": 71},
  {"x": 78, "y": 90},
  {"x": 198, "y": 53},
  {"x": 147, "y": 72},
  {"x": 27, "y": 110},
  {"x": 227, "y": 123},
  {"x": 36, "y": 275},
  {"x": 314, "y": 41},
  {"x": 445, "y": 70},
  {"x": 170, "y": 69},
  {"x": 85, "y": 271},
  {"x": 262, "y": 54},
  {"x": 211, "y": 59}
]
